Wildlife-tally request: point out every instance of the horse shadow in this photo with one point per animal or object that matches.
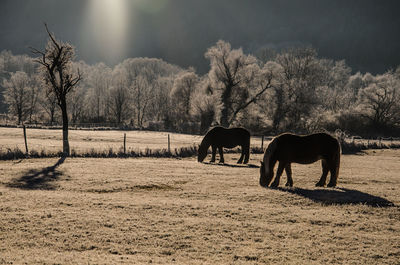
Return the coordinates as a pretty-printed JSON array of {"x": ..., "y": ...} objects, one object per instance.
[
  {"x": 231, "y": 165},
  {"x": 340, "y": 196},
  {"x": 38, "y": 179}
]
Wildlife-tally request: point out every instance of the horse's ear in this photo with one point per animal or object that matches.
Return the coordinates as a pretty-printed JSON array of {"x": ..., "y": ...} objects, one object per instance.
[{"x": 262, "y": 163}]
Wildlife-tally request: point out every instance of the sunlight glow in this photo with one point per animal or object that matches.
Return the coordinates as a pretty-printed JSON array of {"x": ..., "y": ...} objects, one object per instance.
[{"x": 107, "y": 25}]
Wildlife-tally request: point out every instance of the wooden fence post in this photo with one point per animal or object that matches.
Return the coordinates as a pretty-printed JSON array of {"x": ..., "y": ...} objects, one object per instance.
[
  {"x": 26, "y": 143},
  {"x": 124, "y": 143},
  {"x": 169, "y": 145},
  {"x": 262, "y": 143}
]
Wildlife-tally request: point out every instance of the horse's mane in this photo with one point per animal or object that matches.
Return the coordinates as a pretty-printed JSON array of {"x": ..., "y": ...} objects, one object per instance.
[
  {"x": 268, "y": 154},
  {"x": 205, "y": 143}
]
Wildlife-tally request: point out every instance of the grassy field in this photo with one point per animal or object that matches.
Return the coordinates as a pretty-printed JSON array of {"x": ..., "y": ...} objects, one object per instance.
[
  {"x": 85, "y": 140},
  {"x": 163, "y": 211}
]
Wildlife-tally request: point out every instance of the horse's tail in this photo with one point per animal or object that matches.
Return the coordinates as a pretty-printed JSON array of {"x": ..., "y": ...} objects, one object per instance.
[{"x": 337, "y": 160}]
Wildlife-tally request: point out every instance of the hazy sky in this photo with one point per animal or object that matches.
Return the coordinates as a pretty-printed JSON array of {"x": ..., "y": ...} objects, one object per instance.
[{"x": 363, "y": 32}]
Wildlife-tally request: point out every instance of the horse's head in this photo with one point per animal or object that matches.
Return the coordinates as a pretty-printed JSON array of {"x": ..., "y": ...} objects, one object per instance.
[
  {"x": 202, "y": 153},
  {"x": 268, "y": 163},
  {"x": 265, "y": 177}
]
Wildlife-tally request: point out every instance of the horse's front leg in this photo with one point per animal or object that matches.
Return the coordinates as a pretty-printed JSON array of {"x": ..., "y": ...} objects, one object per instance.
[
  {"x": 279, "y": 172},
  {"x": 288, "y": 170},
  {"x": 214, "y": 152},
  {"x": 221, "y": 154}
]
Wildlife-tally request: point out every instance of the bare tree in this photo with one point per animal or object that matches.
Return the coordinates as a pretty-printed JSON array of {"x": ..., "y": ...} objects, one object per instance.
[
  {"x": 118, "y": 98},
  {"x": 181, "y": 97},
  {"x": 99, "y": 82},
  {"x": 295, "y": 97},
  {"x": 232, "y": 75},
  {"x": 34, "y": 98},
  {"x": 58, "y": 75},
  {"x": 141, "y": 91},
  {"x": 203, "y": 104},
  {"x": 48, "y": 103},
  {"x": 143, "y": 79},
  {"x": 77, "y": 99},
  {"x": 334, "y": 94},
  {"x": 380, "y": 101},
  {"x": 18, "y": 95},
  {"x": 161, "y": 104}
]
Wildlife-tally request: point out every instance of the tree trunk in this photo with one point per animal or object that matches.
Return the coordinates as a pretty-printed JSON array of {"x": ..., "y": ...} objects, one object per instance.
[
  {"x": 52, "y": 116},
  {"x": 224, "y": 116},
  {"x": 64, "y": 114},
  {"x": 19, "y": 115},
  {"x": 226, "y": 105},
  {"x": 279, "y": 113},
  {"x": 206, "y": 119}
]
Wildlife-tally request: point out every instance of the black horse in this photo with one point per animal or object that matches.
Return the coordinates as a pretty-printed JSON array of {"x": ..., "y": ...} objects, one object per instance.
[
  {"x": 289, "y": 148},
  {"x": 220, "y": 137}
]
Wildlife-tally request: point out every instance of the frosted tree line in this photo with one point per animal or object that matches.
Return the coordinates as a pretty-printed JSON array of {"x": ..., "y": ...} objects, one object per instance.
[{"x": 268, "y": 92}]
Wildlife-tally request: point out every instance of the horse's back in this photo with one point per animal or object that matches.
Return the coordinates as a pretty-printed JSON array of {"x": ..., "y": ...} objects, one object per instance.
[
  {"x": 306, "y": 148},
  {"x": 229, "y": 137}
]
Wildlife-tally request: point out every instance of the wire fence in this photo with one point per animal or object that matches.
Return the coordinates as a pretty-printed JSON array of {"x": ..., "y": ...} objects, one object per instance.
[
  {"x": 136, "y": 143},
  {"x": 111, "y": 143}
]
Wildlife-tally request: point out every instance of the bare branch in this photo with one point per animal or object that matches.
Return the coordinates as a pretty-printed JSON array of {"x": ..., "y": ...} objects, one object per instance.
[
  {"x": 253, "y": 99},
  {"x": 52, "y": 37}
]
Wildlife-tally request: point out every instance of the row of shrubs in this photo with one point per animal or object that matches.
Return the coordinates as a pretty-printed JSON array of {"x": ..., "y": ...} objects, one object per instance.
[
  {"x": 357, "y": 147},
  {"x": 16, "y": 153}
]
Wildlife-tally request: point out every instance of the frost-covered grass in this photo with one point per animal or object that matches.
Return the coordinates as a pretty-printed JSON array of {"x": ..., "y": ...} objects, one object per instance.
[
  {"x": 168, "y": 210},
  {"x": 103, "y": 143}
]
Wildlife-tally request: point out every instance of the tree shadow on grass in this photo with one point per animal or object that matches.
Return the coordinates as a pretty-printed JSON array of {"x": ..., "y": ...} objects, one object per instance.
[
  {"x": 339, "y": 196},
  {"x": 231, "y": 165},
  {"x": 38, "y": 179}
]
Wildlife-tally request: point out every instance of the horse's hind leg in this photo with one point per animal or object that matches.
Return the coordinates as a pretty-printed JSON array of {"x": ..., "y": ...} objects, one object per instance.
[
  {"x": 241, "y": 157},
  {"x": 288, "y": 170},
  {"x": 334, "y": 174},
  {"x": 279, "y": 172},
  {"x": 214, "y": 152},
  {"x": 325, "y": 170},
  {"x": 221, "y": 154},
  {"x": 246, "y": 152}
]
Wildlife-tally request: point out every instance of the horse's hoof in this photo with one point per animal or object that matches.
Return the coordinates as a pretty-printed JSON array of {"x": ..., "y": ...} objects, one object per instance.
[
  {"x": 289, "y": 184},
  {"x": 331, "y": 185},
  {"x": 274, "y": 185},
  {"x": 319, "y": 185}
]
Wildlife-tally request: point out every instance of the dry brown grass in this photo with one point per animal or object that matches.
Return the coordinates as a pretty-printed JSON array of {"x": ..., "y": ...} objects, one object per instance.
[
  {"x": 104, "y": 211},
  {"x": 83, "y": 141}
]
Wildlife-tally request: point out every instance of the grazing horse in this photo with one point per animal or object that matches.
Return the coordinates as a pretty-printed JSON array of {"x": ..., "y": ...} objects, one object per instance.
[
  {"x": 219, "y": 137},
  {"x": 306, "y": 149}
]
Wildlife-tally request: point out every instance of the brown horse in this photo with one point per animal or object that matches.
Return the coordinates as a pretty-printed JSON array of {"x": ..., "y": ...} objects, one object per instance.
[
  {"x": 220, "y": 137},
  {"x": 290, "y": 148}
]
